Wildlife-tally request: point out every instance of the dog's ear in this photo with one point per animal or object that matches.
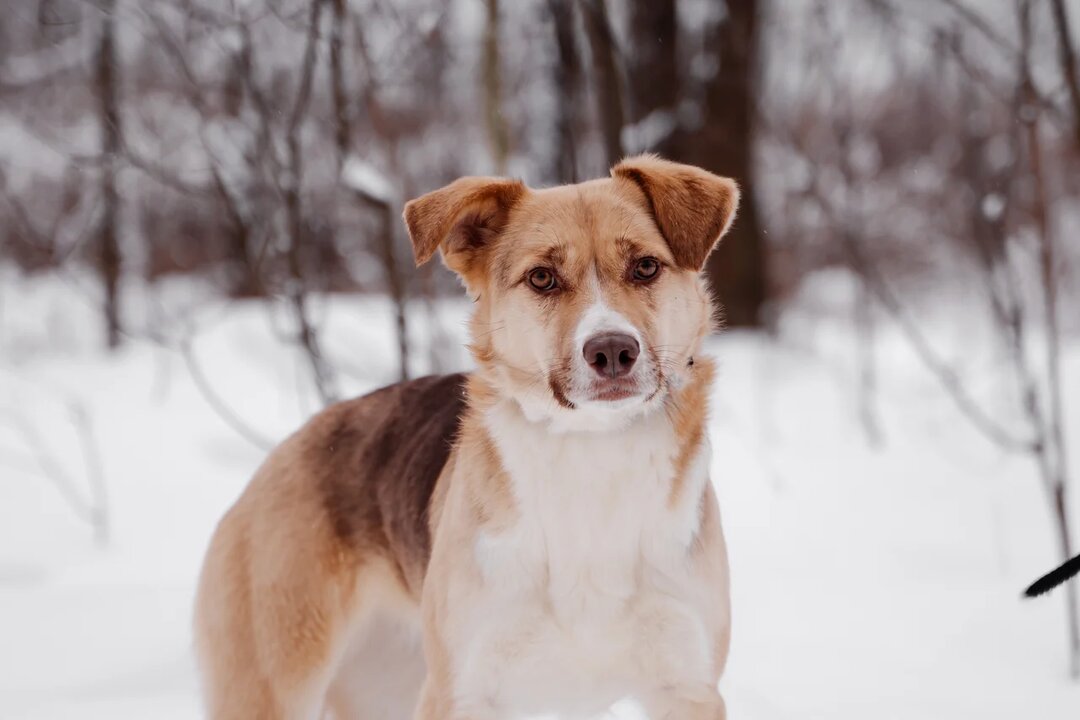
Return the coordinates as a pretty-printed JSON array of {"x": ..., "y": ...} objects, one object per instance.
[
  {"x": 461, "y": 219},
  {"x": 692, "y": 207}
]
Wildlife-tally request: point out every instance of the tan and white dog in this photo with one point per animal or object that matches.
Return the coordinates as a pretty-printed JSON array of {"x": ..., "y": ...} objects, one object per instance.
[{"x": 539, "y": 536}]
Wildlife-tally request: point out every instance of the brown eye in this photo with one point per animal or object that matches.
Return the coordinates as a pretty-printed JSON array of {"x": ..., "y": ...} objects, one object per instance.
[
  {"x": 646, "y": 269},
  {"x": 542, "y": 280}
]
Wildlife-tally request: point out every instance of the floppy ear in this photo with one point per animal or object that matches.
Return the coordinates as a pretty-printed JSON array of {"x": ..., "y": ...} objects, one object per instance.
[
  {"x": 461, "y": 219},
  {"x": 692, "y": 207}
]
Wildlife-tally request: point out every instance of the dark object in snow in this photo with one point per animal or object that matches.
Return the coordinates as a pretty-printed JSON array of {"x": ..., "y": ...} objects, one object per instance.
[{"x": 1052, "y": 579}]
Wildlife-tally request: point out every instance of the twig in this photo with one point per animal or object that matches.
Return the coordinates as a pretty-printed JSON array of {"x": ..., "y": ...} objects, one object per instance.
[
  {"x": 216, "y": 403},
  {"x": 92, "y": 509},
  {"x": 95, "y": 473}
]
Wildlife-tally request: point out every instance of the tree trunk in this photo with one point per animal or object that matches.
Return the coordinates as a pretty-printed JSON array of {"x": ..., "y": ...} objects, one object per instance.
[
  {"x": 342, "y": 129},
  {"x": 606, "y": 76},
  {"x": 724, "y": 144},
  {"x": 1067, "y": 56},
  {"x": 387, "y": 238},
  {"x": 567, "y": 82},
  {"x": 395, "y": 284},
  {"x": 1072, "y": 623},
  {"x": 109, "y": 259},
  {"x": 1052, "y": 447},
  {"x": 498, "y": 134},
  {"x": 653, "y": 76},
  {"x": 322, "y": 372}
]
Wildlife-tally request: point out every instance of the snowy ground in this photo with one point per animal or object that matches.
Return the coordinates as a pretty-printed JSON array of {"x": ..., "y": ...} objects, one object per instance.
[{"x": 868, "y": 582}]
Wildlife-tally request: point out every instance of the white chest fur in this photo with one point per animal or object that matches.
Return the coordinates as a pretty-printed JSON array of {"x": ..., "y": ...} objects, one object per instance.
[{"x": 589, "y": 594}]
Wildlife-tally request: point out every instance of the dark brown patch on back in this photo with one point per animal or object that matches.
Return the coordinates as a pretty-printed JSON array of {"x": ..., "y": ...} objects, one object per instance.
[{"x": 376, "y": 460}]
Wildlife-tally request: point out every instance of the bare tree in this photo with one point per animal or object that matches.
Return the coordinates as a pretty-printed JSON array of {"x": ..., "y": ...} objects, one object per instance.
[
  {"x": 108, "y": 93},
  {"x": 653, "y": 80},
  {"x": 725, "y": 144},
  {"x": 606, "y": 80},
  {"x": 386, "y": 237},
  {"x": 567, "y": 85},
  {"x": 297, "y": 293},
  {"x": 498, "y": 132},
  {"x": 342, "y": 120},
  {"x": 1067, "y": 56}
]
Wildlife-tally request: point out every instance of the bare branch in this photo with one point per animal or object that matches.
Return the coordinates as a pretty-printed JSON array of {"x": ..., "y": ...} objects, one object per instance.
[
  {"x": 99, "y": 504},
  {"x": 980, "y": 23},
  {"x": 222, "y": 410},
  {"x": 91, "y": 508}
]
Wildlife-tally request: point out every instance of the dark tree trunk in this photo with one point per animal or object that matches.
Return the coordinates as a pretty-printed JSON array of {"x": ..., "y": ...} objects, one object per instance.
[
  {"x": 567, "y": 82},
  {"x": 109, "y": 259},
  {"x": 606, "y": 77},
  {"x": 395, "y": 284},
  {"x": 342, "y": 130},
  {"x": 322, "y": 372},
  {"x": 1067, "y": 57},
  {"x": 653, "y": 74},
  {"x": 498, "y": 132},
  {"x": 724, "y": 144}
]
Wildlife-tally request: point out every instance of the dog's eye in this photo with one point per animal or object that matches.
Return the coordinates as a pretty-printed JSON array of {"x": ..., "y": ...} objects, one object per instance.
[
  {"x": 646, "y": 269},
  {"x": 542, "y": 280}
]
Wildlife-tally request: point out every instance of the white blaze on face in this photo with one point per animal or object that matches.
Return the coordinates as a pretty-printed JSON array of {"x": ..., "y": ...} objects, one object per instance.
[{"x": 598, "y": 319}]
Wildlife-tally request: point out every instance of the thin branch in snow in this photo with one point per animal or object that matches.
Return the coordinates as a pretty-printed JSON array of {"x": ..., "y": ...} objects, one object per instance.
[
  {"x": 216, "y": 403},
  {"x": 91, "y": 506}
]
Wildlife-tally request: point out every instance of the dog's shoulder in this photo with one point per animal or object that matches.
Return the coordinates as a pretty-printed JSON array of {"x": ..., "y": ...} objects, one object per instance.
[{"x": 375, "y": 460}]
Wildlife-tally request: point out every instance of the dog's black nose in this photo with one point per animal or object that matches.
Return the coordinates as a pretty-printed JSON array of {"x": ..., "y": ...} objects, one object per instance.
[{"x": 611, "y": 355}]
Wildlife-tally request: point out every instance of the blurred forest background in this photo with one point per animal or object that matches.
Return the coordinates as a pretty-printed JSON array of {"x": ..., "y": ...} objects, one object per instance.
[{"x": 910, "y": 169}]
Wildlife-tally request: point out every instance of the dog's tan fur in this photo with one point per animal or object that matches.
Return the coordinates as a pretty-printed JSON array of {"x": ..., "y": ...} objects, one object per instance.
[{"x": 373, "y": 514}]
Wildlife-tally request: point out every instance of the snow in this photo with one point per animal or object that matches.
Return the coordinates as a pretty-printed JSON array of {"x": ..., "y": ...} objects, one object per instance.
[
  {"x": 367, "y": 180},
  {"x": 648, "y": 132},
  {"x": 868, "y": 582}
]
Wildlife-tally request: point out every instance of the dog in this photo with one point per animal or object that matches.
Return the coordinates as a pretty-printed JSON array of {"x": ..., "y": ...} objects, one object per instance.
[{"x": 537, "y": 536}]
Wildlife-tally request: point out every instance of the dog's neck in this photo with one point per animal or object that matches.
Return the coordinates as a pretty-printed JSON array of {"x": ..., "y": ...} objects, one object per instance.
[{"x": 676, "y": 418}]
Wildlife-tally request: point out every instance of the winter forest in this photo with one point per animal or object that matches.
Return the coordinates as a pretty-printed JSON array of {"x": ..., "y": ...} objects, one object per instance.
[{"x": 201, "y": 245}]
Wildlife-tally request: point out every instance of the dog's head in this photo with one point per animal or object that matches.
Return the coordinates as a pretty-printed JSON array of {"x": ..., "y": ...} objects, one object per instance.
[{"x": 590, "y": 301}]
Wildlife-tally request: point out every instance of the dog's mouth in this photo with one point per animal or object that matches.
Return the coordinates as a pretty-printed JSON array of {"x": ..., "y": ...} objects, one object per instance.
[
  {"x": 615, "y": 391},
  {"x": 602, "y": 392}
]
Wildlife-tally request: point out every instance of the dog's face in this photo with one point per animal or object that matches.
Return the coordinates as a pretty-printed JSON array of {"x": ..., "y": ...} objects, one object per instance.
[{"x": 590, "y": 304}]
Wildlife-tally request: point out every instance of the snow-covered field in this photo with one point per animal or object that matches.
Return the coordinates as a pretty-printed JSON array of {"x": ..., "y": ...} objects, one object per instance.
[{"x": 869, "y": 583}]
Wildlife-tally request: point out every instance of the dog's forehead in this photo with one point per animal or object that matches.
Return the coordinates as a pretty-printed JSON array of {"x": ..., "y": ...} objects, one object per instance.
[
  {"x": 584, "y": 221},
  {"x": 584, "y": 208}
]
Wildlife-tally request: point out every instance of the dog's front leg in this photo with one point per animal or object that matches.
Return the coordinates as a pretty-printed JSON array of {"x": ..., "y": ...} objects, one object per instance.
[{"x": 685, "y": 704}]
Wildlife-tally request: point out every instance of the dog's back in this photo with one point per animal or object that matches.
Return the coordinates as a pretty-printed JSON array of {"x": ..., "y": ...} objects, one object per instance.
[{"x": 336, "y": 517}]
